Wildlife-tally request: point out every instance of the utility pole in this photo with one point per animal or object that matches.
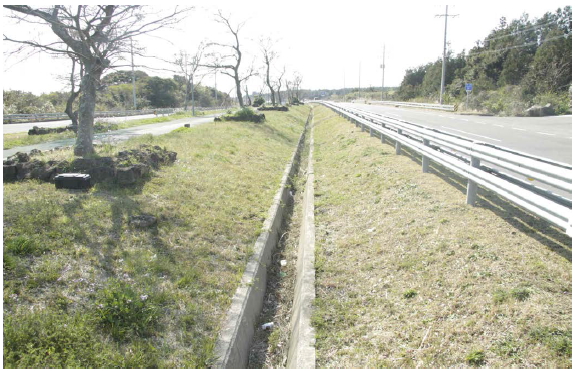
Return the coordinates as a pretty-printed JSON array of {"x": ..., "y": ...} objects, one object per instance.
[
  {"x": 383, "y": 58},
  {"x": 133, "y": 77},
  {"x": 215, "y": 91},
  {"x": 445, "y": 15}
]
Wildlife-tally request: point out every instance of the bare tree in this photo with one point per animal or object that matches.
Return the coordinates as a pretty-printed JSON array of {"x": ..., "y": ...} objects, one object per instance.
[
  {"x": 279, "y": 85},
  {"x": 188, "y": 65},
  {"x": 229, "y": 59},
  {"x": 98, "y": 36},
  {"x": 297, "y": 81},
  {"x": 247, "y": 95},
  {"x": 269, "y": 56}
]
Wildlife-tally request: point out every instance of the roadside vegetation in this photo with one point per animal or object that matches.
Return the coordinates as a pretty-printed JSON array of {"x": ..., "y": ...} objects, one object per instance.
[
  {"x": 520, "y": 63},
  {"x": 101, "y": 125},
  {"x": 409, "y": 276},
  {"x": 84, "y": 288}
]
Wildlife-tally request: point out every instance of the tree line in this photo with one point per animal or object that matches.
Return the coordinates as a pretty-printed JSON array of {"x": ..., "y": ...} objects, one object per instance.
[
  {"x": 519, "y": 63},
  {"x": 116, "y": 94}
]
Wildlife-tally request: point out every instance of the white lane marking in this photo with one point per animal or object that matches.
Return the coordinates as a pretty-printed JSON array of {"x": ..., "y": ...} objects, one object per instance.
[
  {"x": 539, "y": 132},
  {"x": 500, "y": 126},
  {"x": 476, "y": 135},
  {"x": 478, "y": 122},
  {"x": 464, "y": 119},
  {"x": 441, "y": 116},
  {"x": 518, "y": 129}
]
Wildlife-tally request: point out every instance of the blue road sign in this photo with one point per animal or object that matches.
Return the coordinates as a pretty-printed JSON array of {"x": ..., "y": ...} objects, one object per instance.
[{"x": 468, "y": 87}]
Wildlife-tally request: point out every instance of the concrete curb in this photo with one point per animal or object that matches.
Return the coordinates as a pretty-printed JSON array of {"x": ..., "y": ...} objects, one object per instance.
[
  {"x": 234, "y": 340},
  {"x": 301, "y": 350}
]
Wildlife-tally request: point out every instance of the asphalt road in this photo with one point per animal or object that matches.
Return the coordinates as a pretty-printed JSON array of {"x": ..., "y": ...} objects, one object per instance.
[
  {"x": 24, "y": 127},
  {"x": 117, "y": 135},
  {"x": 546, "y": 137}
]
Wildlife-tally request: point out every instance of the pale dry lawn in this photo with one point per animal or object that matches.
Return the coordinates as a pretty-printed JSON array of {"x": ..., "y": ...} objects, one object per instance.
[{"x": 409, "y": 276}]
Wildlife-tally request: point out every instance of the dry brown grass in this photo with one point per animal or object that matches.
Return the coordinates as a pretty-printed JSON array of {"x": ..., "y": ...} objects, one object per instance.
[{"x": 409, "y": 276}]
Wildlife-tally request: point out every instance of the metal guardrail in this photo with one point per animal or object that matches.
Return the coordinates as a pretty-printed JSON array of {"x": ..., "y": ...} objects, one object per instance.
[
  {"x": 38, "y": 117},
  {"x": 463, "y": 156},
  {"x": 442, "y": 107}
]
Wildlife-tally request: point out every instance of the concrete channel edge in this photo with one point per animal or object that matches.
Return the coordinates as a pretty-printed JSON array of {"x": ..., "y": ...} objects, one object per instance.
[
  {"x": 235, "y": 337},
  {"x": 302, "y": 346}
]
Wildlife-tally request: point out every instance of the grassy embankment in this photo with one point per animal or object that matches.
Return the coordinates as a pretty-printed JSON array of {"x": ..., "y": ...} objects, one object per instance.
[
  {"x": 23, "y": 139},
  {"x": 83, "y": 288},
  {"x": 409, "y": 276}
]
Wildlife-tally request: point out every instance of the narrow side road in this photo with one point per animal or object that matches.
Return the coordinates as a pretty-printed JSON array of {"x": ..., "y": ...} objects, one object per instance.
[{"x": 117, "y": 135}]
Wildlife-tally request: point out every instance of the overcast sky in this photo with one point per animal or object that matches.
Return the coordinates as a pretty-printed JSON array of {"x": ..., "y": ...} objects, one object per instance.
[{"x": 323, "y": 40}]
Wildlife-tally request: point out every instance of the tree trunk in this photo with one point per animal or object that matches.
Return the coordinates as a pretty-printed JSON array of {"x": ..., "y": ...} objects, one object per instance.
[
  {"x": 192, "y": 91},
  {"x": 87, "y": 103},
  {"x": 279, "y": 97},
  {"x": 72, "y": 114},
  {"x": 268, "y": 83},
  {"x": 239, "y": 92},
  {"x": 186, "y": 96}
]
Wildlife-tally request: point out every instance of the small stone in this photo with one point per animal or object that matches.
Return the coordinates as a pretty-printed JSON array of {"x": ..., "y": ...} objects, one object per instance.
[
  {"x": 283, "y": 263},
  {"x": 20, "y": 157},
  {"x": 142, "y": 221},
  {"x": 186, "y": 125},
  {"x": 125, "y": 175},
  {"x": 9, "y": 173},
  {"x": 101, "y": 173}
]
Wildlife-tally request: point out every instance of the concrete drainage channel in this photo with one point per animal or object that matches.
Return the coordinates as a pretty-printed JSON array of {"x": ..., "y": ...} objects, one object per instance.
[{"x": 234, "y": 341}]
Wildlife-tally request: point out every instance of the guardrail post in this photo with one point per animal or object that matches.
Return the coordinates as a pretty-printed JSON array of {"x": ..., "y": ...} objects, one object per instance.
[
  {"x": 371, "y": 132},
  {"x": 398, "y": 145},
  {"x": 425, "y": 160},
  {"x": 382, "y": 138},
  {"x": 472, "y": 188}
]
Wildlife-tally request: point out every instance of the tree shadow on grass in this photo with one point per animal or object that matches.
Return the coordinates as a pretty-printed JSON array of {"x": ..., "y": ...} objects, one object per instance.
[
  {"x": 274, "y": 133},
  {"x": 539, "y": 229}
]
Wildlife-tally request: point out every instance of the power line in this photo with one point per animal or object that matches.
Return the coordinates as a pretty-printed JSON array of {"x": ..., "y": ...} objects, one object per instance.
[
  {"x": 520, "y": 31},
  {"x": 521, "y": 46}
]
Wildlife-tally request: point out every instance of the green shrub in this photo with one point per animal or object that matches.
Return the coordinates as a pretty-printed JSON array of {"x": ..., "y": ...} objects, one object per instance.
[
  {"x": 476, "y": 358},
  {"x": 102, "y": 127},
  {"x": 49, "y": 339},
  {"x": 123, "y": 311},
  {"x": 558, "y": 340},
  {"x": 562, "y": 102},
  {"x": 244, "y": 114},
  {"x": 409, "y": 294},
  {"x": 499, "y": 296},
  {"x": 20, "y": 246},
  {"x": 520, "y": 293},
  {"x": 258, "y": 101}
]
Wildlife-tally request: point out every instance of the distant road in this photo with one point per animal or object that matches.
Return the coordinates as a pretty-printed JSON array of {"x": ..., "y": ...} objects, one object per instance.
[
  {"x": 549, "y": 137},
  {"x": 117, "y": 135},
  {"x": 24, "y": 127}
]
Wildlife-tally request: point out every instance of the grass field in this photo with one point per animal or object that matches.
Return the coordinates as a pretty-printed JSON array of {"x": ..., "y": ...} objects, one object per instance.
[
  {"x": 409, "y": 276},
  {"x": 85, "y": 289},
  {"x": 23, "y": 139}
]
